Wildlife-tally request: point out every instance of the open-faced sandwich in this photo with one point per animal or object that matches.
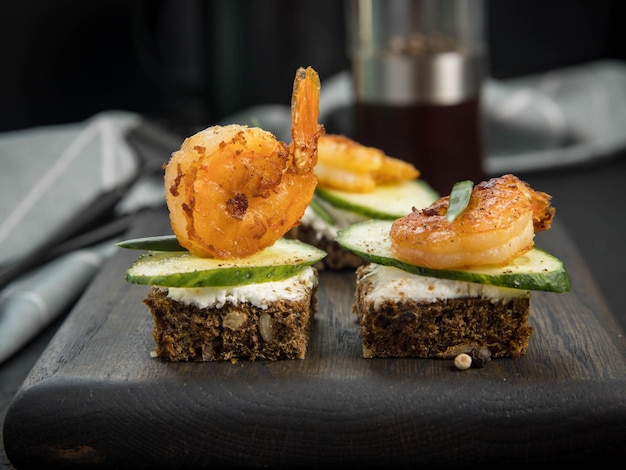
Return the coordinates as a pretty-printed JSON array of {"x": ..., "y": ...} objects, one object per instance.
[
  {"x": 227, "y": 285},
  {"x": 357, "y": 183},
  {"x": 455, "y": 277}
]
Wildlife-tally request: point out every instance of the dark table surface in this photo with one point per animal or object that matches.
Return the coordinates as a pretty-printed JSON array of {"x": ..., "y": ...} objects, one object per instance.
[{"x": 590, "y": 205}]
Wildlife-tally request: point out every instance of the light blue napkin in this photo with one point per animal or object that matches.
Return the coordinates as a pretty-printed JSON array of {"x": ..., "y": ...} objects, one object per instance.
[
  {"x": 33, "y": 301},
  {"x": 557, "y": 119},
  {"x": 48, "y": 174}
]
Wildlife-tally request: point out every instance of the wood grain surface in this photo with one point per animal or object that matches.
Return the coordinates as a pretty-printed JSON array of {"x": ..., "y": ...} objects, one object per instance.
[{"x": 97, "y": 398}]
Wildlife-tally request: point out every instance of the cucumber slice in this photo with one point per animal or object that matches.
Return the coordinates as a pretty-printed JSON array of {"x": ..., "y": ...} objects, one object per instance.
[
  {"x": 159, "y": 243},
  {"x": 534, "y": 270},
  {"x": 386, "y": 202},
  {"x": 319, "y": 210},
  {"x": 284, "y": 259}
]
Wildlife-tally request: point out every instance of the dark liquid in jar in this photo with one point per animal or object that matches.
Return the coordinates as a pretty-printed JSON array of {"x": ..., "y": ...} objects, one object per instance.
[{"x": 443, "y": 142}]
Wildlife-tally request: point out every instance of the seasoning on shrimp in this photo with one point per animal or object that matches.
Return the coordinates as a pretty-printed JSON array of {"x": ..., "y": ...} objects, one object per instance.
[
  {"x": 233, "y": 190},
  {"x": 498, "y": 225}
]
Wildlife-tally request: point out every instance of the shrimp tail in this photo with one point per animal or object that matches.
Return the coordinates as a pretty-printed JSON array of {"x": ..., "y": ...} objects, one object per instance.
[
  {"x": 305, "y": 130},
  {"x": 543, "y": 212}
]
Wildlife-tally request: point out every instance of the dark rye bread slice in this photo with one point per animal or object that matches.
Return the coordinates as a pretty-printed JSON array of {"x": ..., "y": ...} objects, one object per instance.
[
  {"x": 337, "y": 257},
  {"x": 185, "y": 332},
  {"x": 405, "y": 327}
]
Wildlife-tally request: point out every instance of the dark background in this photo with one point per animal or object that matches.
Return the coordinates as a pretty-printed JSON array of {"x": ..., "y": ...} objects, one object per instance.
[{"x": 194, "y": 62}]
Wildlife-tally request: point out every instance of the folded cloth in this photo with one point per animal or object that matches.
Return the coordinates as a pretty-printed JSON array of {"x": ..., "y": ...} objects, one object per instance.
[
  {"x": 49, "y": 175},
  {"x": 561, "y": 118},
  {"x": 36, "y": 299}
]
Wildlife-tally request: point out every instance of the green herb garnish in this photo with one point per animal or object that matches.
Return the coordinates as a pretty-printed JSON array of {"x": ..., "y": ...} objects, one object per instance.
[{"x": 459, "y": 198}]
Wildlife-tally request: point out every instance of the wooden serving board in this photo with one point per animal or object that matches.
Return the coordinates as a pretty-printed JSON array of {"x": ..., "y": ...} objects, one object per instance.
[{"x": 97, "y": 397}]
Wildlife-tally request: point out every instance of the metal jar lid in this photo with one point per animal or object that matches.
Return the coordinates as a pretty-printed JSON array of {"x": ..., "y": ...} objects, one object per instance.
[{"x": 440, "y": 79}]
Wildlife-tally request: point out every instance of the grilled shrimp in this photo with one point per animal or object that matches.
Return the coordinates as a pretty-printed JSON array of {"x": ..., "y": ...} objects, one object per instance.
[
  {"x": 234, "y": 190},
  {"x": 345, "y": 164},
  {"x": 498, "y": 225}
]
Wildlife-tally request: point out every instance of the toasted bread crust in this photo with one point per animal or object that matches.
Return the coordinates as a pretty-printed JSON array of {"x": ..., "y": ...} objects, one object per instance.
[
  {"x": 185, "y": 332},
  {"x": 405, "y": 327}
]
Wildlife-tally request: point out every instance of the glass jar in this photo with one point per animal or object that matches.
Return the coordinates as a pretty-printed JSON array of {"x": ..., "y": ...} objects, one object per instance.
[{"x": 418, "y": 67}]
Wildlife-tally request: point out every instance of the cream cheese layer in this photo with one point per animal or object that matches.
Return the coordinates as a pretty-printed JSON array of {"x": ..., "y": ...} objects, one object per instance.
[
  {"x": 260, "y": 295},
  {"x": 389, "y": 283}
]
